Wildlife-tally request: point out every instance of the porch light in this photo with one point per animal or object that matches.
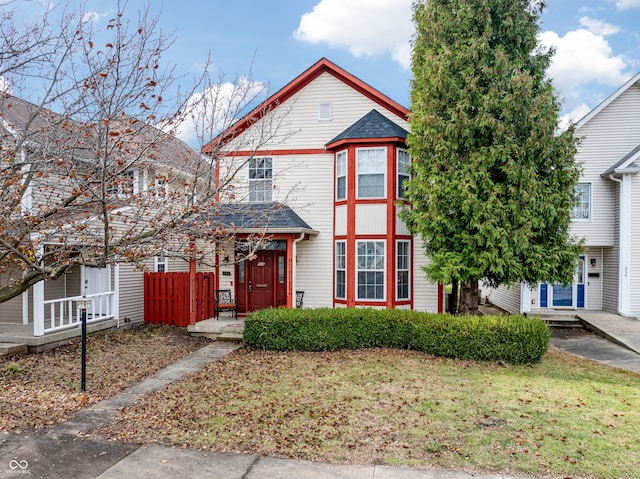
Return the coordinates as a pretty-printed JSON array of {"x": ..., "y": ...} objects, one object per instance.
[
  {"x": 593, "y": 262},
  {"x": 84, "y": 303}
]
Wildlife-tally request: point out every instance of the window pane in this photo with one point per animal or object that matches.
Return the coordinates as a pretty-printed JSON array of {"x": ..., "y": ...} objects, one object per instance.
[
  {"x": 341, "y": 193},
  {"x": 370, "y": 277},
  {"x": 582, "y": 210},
  {"x": 370, "y": 186}
]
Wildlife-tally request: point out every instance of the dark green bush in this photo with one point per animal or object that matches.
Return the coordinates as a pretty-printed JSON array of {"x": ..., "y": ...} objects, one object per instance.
[{"x": 513, "y": 339}]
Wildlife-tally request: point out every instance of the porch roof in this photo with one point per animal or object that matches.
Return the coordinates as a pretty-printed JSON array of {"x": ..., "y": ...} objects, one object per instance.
[{"x": 254, "y": 217}]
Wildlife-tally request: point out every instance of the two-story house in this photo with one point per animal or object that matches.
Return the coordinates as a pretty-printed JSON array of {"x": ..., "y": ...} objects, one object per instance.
[
  {"x": 606, "y": 216},
  {"x": 334, "y": 172}
]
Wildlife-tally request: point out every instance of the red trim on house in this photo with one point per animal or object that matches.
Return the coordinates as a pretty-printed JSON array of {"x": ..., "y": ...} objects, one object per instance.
[
  {"x": 256, "y": 153},
  {"x": 297, "y": 84},
  {"x": 440, "y": 298}
]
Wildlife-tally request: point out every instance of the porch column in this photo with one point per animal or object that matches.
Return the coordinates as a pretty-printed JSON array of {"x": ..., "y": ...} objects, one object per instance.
[
  {"x": 624, "y": 253},
  {"x": 116, "y": 292},
  {"x": 38, "y": 308},
  {"x": 525, "y": 298}
]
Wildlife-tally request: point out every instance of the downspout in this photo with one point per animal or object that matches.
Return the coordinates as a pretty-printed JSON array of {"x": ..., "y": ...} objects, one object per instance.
[{"x": 294, "y": 255}]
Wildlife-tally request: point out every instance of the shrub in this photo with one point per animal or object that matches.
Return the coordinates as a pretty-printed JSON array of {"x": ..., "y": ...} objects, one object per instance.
[{"x": 512, "y": 339}]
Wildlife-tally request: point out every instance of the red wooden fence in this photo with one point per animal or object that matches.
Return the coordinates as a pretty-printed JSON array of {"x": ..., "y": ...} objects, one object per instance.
[{"x": 166, "y": 298}]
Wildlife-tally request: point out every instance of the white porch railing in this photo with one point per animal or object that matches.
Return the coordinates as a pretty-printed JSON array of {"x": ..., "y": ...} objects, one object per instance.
[{"x": 64, "y": 313}]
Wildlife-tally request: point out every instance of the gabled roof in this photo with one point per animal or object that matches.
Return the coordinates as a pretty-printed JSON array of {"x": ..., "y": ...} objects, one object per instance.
[
  {"x": 314, "y": 71},
  {"x": 374, "y": 125},
  {"x": 626, "y": 164},
  {"x": 585, "y": 119},
  {"x": 253, "y": 217}
]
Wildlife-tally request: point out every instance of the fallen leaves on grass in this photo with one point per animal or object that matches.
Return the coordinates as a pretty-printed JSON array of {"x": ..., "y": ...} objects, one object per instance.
[
  {"x": 390, "y": 406},
  {"x": 43, "y": 389}
]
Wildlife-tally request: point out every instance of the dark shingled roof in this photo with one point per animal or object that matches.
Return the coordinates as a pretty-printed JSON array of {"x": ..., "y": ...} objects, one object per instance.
[
  {"x": 256, "y": 216},
  {"x": 373, "y": 125}
]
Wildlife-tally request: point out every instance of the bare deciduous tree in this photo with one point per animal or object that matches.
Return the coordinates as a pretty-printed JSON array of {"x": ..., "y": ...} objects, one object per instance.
[{"x": 91, "y": 171}]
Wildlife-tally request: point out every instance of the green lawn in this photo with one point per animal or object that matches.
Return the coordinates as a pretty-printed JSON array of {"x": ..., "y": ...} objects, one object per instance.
[{"x": 564, "y": 417}]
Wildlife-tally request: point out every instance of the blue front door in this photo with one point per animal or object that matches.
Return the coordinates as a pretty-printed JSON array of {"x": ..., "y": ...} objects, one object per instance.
[{"x": 568, "y": 296}]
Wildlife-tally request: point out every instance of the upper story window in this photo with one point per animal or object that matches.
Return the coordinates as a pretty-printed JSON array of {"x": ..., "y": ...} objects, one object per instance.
[
  {"x": 161, "y": 263},
  {"x": 582, "y": 209},
  {"x": 371, "y": 166},
  {"x": 260, "y": 180},
  {"x": 403, "y": 162},
  {"x": 341, "y": 175},
  {"x": 124, "y": 185},
  {"x": 161, "y": 188}
]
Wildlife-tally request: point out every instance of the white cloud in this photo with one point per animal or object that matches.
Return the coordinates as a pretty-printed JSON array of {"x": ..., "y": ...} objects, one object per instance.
[
  {"x": 582, "y": 57},
  {"x": 217, "y": 108},
  {"x": 574, "y": 115},
  {"x": 91, "y": 17},
  {"x": 626, "y": 4},
  {"x": 363, "y": 27},
  {"x": 599, "y": 27}
]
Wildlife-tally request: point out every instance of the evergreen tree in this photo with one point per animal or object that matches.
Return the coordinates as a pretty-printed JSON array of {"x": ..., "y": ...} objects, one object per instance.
[{"x": 493, "y": 185}]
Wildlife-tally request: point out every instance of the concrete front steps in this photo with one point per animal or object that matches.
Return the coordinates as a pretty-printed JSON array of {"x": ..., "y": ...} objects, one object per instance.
[
  {"x": 13, "y": 349},
  {"x": 223, "y": 329}
]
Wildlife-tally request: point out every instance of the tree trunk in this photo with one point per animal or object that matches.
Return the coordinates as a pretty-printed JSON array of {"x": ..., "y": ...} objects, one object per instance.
[
  {"x": 453, "y": 298},
  {"x": 469, "y": 298}
]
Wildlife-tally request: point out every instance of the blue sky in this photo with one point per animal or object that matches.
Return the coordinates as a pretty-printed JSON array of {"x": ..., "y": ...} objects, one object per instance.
[{"x": 597, "y": 41}]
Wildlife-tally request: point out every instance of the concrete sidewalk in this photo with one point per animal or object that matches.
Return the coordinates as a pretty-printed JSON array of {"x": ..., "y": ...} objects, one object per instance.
[{"x": 65, "y": 451}]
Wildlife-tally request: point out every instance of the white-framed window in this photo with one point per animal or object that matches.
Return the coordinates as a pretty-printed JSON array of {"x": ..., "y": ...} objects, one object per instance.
[
  {"x": 341, "y": 175},
  {"x": 161, "y": 188},
  {"x": 341, "y": 270},
  {"x": 403, "y": 163},
  {"x": 325, "y": 111},
  {"x": 371, "y": 169},
  {"x": 370, "y": 270},
  {"x": 403, "y": 269},
  {"x": 582, "y": 209},
  {"x": 260, "y": 180},
  {"x": 190, "y": 195},
  {"x": 124, "y": 185},
  {"x": 161, "y": 263}
]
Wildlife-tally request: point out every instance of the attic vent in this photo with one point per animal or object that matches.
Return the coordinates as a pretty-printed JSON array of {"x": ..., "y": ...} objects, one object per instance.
[{"x": 324, "y": 112}]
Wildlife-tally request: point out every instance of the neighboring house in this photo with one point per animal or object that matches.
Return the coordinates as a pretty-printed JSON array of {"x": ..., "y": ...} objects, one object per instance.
[
  {"x": 338, "y": 163},
  {"x": 116, "y": 290},
  {"x": 607, "y": 217}
]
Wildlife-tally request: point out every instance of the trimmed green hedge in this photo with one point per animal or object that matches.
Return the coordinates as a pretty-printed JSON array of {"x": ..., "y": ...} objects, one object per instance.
[{"x": 513, "y": 339}]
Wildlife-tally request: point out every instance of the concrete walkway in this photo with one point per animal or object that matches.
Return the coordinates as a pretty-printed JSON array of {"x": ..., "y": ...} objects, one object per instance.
[{"x": 65, "y": 451}]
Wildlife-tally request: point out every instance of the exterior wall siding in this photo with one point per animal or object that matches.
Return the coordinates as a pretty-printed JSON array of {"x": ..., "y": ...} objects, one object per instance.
[
  {"x": 425, "y": 293},
  {"x": 635, "y": 246},
  {"x": 504, "y": 297}
]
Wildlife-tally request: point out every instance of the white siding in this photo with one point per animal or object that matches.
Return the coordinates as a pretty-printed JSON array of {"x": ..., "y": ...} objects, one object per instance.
[
  {"x": 425, "y": 293},
  {"x": 341, "y": 220},
  {"x": 606, "y": 138},
  {"x": 371, "y": 219},
  {"x": 506, "y": 297},
  {"x": 593, "y": 283},
  {"x": 299, "y": 126},
  {"x": 131, "y": 292}
]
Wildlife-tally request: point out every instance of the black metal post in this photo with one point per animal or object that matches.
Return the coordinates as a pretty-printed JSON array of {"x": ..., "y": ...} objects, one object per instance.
[{"x": 83, "y": 373}]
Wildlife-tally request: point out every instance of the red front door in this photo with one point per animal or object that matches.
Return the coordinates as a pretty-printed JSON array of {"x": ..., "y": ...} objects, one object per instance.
[{"x": 261, "y": 276}]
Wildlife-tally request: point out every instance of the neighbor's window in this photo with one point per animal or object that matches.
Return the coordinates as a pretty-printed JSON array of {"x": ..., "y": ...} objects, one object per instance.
[
  {"x": 341, "y": 269},
  {"x": 371, "y": 165},
  {"x": 582, "y": 209},
  {"x": 260, "y": 180},
  {"x": 370, "y": 270},
  {"x": 403, "y": 263},
  {"x": 161, "y": 188},
  {"x": 403, "y": 161},
  {"x": 161, "y": 263},
  {"x": 124, "y": 185},
  {"x": 341, "y": 175}
]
